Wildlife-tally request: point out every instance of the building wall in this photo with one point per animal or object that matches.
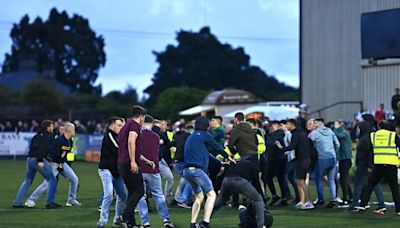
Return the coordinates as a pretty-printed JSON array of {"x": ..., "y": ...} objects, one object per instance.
[{"x": 331, "y": 69}]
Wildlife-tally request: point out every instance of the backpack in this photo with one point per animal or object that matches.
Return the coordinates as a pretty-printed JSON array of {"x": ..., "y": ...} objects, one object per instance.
[{"x": 247, "y": 217}]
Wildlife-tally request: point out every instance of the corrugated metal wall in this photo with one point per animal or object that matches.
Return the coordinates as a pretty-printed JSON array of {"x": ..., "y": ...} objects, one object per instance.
[
  {"x": 379, "y": 85},
  {"x": 331, "y": 56}
]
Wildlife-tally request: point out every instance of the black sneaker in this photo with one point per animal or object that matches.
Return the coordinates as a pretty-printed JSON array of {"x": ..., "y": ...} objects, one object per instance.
[
  {"x": 118, "y": 222},
  {"x": 203, "y": 224},
  {"x": 331, "y": 204},
  {"x": 194, "y": 225},
  {"x": 318, "y": 202},
  {"x": 168, "y": 224},
  {"x": 53, "y": 206},
  {"x": 274, "y": 200},
  {"x": 345, "y": 204},
  {"x": 17, "y": 206}
]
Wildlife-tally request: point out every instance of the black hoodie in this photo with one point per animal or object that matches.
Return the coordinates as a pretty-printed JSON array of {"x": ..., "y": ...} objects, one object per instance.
[
  {"x": 364, "y": 156},
  {"x": 274, "y": 153},
  {"x": 40, "y": 145}
]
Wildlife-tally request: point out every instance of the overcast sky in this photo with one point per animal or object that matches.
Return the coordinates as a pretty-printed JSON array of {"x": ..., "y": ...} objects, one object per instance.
[{"x": 267, "y": 29}]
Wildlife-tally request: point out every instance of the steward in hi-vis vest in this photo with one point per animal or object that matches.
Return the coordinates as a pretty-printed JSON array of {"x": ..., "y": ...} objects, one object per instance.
[{"x": 385, "y": 148}]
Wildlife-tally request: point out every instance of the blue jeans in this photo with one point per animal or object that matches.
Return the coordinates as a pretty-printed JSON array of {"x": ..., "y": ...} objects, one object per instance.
[
  {"x": 326, "y": 167},
  {"x": 198, "y": 180},
  {"x": 68, "y": 173},
  {"x": 183, "y": 192},
  {"x": 152, "y": 183},
  {"x": 31, "y": 169},
  {"x": 109, "y": 184},
  {"x": 166, "y": 172}
]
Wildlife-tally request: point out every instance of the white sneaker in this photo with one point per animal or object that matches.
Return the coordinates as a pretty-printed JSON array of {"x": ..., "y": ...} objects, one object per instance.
[
  {"x": 299, "y": 205},
  {"x": 30, "y": 203},
  {"x": 72, "y": 203},
  {"x": 307, "y": 206}
]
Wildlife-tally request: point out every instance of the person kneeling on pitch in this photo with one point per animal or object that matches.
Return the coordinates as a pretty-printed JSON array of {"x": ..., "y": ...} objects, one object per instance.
[
  {"x": 247, "y": 217},
  {"x": 240, "y": 178}
]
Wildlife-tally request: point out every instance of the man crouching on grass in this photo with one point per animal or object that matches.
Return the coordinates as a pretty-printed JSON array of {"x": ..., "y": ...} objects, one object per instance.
[{"x": 196, "y": 165}]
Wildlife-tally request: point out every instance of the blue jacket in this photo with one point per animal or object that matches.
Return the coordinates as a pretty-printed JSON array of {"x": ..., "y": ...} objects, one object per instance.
[
  {"x": 197, "y": 148},
  {"x": 325, "y": 142}
]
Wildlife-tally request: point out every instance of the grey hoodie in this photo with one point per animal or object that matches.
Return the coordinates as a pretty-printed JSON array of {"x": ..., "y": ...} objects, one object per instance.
[{"x": 325, "y": 142}]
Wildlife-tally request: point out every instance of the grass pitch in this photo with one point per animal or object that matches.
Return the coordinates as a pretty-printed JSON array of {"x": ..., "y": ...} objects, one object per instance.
[{"x": 12, "y": 174}]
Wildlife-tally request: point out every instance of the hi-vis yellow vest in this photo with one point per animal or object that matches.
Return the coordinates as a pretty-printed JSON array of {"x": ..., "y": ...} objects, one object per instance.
[
  {"x": 385, "y": 149},
  {"x": 261, "y": 148},
  {"x": 170, "y": 136}
]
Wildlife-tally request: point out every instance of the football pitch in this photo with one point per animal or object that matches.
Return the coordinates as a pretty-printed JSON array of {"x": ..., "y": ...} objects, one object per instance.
[{"x": 12, "y": 174}]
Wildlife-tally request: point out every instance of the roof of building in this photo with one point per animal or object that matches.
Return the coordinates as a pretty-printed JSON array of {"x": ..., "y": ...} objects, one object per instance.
[{"x": 230, "y": 96}]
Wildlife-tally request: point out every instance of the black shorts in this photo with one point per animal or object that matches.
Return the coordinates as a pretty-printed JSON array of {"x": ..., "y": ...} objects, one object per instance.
[{"x": 302, "y": 168}]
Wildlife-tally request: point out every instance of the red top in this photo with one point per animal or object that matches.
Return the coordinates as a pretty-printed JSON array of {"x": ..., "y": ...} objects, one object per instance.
[
  {"x": 150, "y": 142},
  {"x": 123, "y": 152},
  {"x": 379, "y": 115}
]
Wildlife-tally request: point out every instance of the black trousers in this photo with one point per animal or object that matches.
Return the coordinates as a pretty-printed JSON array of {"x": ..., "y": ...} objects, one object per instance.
[
  {"x": 277, "y": 168},
  {"x": 378, "y": 172},
  {"x": 344, "y": 168},
  {"x": 134, "y": 184}
]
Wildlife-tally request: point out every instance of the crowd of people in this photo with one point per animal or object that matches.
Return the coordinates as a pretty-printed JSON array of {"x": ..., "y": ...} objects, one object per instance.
[
  {"x": 218, "y": 168},
  {"x": 91, "y": 126}
]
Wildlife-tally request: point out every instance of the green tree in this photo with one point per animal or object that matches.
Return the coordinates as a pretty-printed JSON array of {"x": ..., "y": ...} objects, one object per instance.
[
  {"x": 201, "y": 61},
  {"x": 41, "y": 94},
  {"x": 64, "y": 43},
  {"x": 8, "y": 96},
  {"x": 119, "y": 103},
  {"x": 173, "y": 100}
]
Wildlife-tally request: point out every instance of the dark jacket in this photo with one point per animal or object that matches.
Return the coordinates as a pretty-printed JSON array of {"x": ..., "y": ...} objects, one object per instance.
[
  {"x": 58, "y": 152},
  {"x": 364, "y": 157},
  {"x": 246, "y": 170},
  {"x": 395, "y": 100},
  {"x": 40, "y": 145},
  {"x": 179, "y": 143},
  {"x": 300, "y": 144},
  {"x": 109, "y": 152},
  {"x": 243, "y": 140},
  {"x": 274, "y": 153},
  {"x": 165, "y": 147}
]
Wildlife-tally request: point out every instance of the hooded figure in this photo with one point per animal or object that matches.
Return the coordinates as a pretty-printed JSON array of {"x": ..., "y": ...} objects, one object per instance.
[
  {"x": 325, "y": 142},
  {"x": 243, "y": 140},
  {"x": 199, "y": 144},
  {"x": 364, "y": 157},
  {"x": 201, "y": 124}
]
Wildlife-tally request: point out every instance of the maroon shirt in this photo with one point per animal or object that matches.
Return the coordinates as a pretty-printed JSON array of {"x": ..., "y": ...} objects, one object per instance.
[
  {"x": 123, "y": 152},
  {"x": 150, "y": 142}
]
